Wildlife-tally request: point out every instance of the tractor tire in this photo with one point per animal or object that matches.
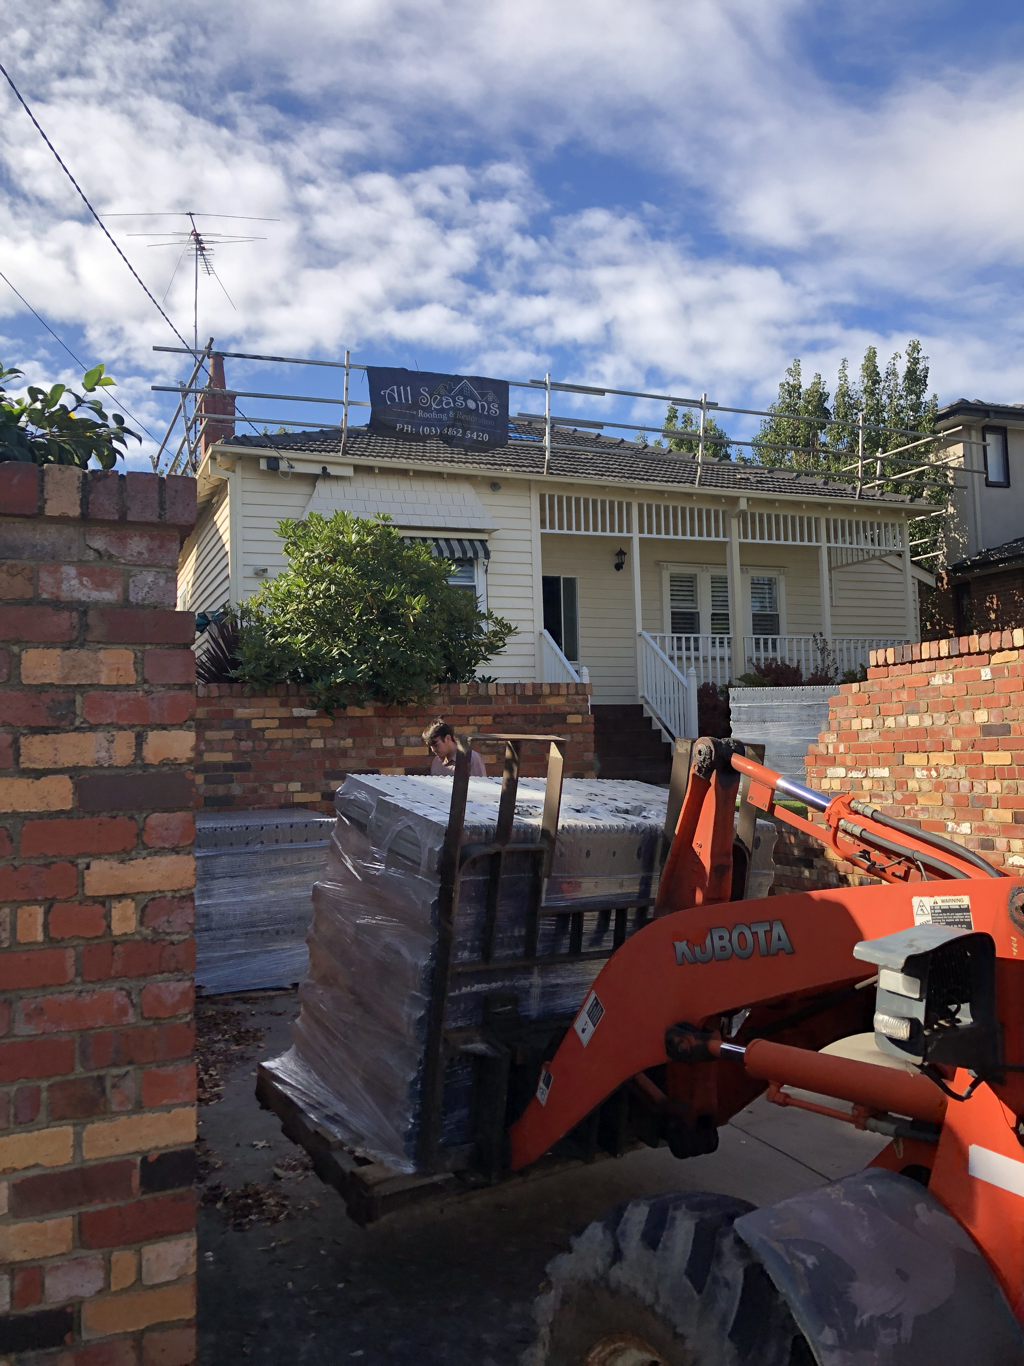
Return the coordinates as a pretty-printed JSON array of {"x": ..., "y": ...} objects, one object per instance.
[{"x": 664, "y": 1281}]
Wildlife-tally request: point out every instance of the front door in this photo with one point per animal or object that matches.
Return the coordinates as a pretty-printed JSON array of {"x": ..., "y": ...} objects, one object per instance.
[{"x": 561, "y": 614}]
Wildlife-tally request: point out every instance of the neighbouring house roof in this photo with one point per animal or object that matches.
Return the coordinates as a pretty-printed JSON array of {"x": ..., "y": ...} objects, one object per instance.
[
  {"x": 979, "y": 411},
  {"x": 590, "y": 456},
  {"x": 996, "y": 557}
]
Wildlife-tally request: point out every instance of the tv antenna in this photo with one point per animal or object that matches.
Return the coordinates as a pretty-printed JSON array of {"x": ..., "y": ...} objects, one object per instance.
[{"x": 200, "y": 244}]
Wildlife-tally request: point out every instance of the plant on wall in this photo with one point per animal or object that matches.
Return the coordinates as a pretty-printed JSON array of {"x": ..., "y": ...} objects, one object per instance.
[
  {"x": 56, "y": 426},
  {"x": 361, "y": 616}
]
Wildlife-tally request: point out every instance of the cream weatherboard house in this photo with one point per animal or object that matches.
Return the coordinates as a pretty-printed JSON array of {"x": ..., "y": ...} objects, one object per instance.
[{"x": 650, "y": 570}]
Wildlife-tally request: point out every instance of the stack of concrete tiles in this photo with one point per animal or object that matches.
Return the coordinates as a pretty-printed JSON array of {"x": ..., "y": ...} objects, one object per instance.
[
  {"x": 358, "y": 1054},
  {"x": 255, "y": 872}
]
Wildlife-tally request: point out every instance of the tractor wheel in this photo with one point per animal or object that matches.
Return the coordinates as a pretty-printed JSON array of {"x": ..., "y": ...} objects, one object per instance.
[{"x": 664, "y": 1281}]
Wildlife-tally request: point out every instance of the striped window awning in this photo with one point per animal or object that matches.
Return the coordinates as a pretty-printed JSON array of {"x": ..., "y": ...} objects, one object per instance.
[{"x": 452, "y": 547}]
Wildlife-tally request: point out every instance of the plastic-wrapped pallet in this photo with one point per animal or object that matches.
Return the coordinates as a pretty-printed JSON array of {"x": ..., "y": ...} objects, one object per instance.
[
  {"x": 359, "y": 1041},
  {"x": 255, "y": 872}
]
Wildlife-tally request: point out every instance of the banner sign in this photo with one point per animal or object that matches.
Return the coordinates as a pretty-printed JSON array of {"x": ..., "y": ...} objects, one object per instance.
[{"x": 467, "y": 411}]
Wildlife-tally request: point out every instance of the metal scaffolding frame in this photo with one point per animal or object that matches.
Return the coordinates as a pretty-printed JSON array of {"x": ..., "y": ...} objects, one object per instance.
[{"x": 887, "y": 465}]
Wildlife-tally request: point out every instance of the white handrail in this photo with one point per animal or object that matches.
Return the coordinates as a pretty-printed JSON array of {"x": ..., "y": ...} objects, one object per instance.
[
  {"x": 555, "y": 668},
  {"x": 850, "y": 652},
  {"x": 670, "y": 697},
  {"x": 714, "y": 658},
  {"x": 710, "y": 657}
]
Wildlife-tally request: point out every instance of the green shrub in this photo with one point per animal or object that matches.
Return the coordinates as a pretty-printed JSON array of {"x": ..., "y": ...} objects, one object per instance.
[
  {"x": 361, "y": 616},
  {"x": 44, "y": 429}
]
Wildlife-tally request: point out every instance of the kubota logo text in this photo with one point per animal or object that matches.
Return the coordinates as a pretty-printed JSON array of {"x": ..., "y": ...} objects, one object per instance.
[{"x": 769, "y": 935}]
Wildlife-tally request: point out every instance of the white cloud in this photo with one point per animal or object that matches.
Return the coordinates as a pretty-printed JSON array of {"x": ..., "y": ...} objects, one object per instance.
[{"x": 402, "y": 147}]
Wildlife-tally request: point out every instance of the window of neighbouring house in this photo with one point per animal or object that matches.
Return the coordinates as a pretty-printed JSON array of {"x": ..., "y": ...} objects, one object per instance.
[
  {"x": 997, "y": 463},
  {"x": 719, "y": 605},
  {"x": 764, "y": 605},
  {"x": 561, "y": 614},
  {"x": 683, "y": 604}
]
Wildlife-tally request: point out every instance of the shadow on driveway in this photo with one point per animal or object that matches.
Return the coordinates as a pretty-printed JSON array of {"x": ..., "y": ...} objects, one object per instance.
[{"x": 452, "y": 1282}]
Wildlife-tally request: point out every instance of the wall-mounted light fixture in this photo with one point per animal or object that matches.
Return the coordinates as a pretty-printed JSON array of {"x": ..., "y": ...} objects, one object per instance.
[{"x": 620, "y": 559}]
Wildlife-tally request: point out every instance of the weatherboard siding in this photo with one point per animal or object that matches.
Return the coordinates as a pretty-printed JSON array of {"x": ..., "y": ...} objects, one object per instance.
[
  {"x": 868, "y": 599},
  {"x": 607, "y": 628},
  {"x": 510, "y": 578},
  {"x": 204, "y": 566},
  {"x": 264, "y": 498}
]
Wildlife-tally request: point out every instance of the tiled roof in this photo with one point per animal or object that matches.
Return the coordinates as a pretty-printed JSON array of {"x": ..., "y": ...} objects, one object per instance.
[
  {"x": 979, "y": 409},
  {"x": 576, "y": 454},
  {"x": 992, "y": 558}
]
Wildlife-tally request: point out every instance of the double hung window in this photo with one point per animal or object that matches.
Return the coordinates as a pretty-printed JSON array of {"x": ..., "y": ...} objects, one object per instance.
[
  {"x": 764, "y": 605},
  {"x": 684, "y": 604},
  {"x": 719, "y": 605},
  {"x": 696, "y": 597}
]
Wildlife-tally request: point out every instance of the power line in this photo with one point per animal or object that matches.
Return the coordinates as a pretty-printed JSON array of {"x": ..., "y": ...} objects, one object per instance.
[
  {"x": 85, "y": 201},
  {"x": 68, "y": 348}
]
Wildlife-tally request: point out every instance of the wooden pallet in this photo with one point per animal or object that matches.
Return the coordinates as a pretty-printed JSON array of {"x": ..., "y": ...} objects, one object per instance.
[{"x": 371, "y": 1189}]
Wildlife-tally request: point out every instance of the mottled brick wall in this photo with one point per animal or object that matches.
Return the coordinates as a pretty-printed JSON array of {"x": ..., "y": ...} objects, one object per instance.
[
  {"x": 936, "y": 736},
  {"x": 994, "y": 602},
  {"x": 803, "y": 864},
  {"x": 273, "y": 749},
  {"x": 97, "y": 1085}
]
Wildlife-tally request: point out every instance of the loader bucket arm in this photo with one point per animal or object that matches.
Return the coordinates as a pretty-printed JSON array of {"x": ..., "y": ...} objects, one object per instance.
[
  {"x": 705, "y": 956},
  {"x": 695, "y": 965}
]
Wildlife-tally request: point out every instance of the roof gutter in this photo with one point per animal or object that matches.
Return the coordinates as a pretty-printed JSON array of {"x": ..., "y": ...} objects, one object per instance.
[{"x": 876, "y": 505}]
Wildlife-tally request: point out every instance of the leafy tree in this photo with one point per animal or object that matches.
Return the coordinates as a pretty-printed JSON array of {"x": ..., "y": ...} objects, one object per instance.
[
  {"x": 843, "y": 440},
  {"x": 871, "y": 399},
  {"x": 45, "y": 429},
  {"x": 361, "y": 616},
  {"x": 793, "y": 435},
  {"x": 892, "y": 398},
  {"x": 716, "y": 439}
]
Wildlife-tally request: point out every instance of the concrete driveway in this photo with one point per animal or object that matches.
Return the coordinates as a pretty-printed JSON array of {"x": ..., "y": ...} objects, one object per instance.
[{"x": 452, "y": 1282}]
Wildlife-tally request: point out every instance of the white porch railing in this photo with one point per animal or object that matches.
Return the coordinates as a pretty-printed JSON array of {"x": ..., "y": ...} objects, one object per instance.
[
  {"x": 670, "y": 697},
  {"x": 711, "y": 657},
  {"x": 555, "y": 668},
  {"x": 806, "y": 651}
]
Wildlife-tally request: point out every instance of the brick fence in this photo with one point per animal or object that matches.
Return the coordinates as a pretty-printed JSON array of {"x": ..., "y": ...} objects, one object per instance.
[
  {"x": 936, "y": 737},
  {"x": 97, "y": 1085},
  {"x": 273, "y": 749}
]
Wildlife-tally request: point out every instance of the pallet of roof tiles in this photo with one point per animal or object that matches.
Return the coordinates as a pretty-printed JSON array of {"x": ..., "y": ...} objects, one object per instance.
[
  {"x": 255, "y": 872},
  {"x": 359, "y": 1044}
]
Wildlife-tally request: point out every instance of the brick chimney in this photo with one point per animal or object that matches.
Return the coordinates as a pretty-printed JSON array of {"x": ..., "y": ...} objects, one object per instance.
[{"x": 218, "y": 404}]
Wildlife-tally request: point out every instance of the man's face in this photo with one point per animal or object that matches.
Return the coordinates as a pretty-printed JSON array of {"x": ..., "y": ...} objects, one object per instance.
[{"x": 445, "y": 748}]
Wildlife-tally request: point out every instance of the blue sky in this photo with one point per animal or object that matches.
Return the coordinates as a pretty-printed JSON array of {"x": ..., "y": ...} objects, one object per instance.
[{"x": 678, "y": 197}]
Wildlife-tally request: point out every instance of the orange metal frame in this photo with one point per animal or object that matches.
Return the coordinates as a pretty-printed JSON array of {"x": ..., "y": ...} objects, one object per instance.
[{"x": 705, "y": 959}]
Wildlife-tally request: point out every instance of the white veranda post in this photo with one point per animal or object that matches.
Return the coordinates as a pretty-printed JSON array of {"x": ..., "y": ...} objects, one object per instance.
[
  {"x": 739, "y": 664},
  {"x": 826, "y": 590}
]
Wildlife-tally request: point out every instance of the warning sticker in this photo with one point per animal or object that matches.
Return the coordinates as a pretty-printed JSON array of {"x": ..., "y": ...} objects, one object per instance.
[
  {"x": 952, "y": 911},
  {"x": 544, "y": 1085},
  {"x": 589, "y": 1018}
]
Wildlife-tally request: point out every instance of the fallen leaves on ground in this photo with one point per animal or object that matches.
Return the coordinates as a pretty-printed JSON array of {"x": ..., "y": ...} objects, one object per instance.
[
  {"x": 206, "y": 1163},
  {"x": 250, "y": 1204},
  {"x": 298, "y": 1166},
  {"x": 223, "y": 1042}
]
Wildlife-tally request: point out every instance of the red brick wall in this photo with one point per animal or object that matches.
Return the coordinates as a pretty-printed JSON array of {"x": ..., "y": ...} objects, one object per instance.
[
  {"x": 936, "y": 735},
  {"x": 273, "y": 749},
  {"x": 97, "y": 1085},
  {"x": 803, "y": 864}
]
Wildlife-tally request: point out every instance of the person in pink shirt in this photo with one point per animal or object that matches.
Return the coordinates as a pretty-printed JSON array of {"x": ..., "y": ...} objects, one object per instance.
[{"x": 440, "y": 740}]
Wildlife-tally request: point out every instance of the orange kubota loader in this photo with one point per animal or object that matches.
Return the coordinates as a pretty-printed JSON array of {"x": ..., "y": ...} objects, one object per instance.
[{"x": 916, "y": 1260}]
